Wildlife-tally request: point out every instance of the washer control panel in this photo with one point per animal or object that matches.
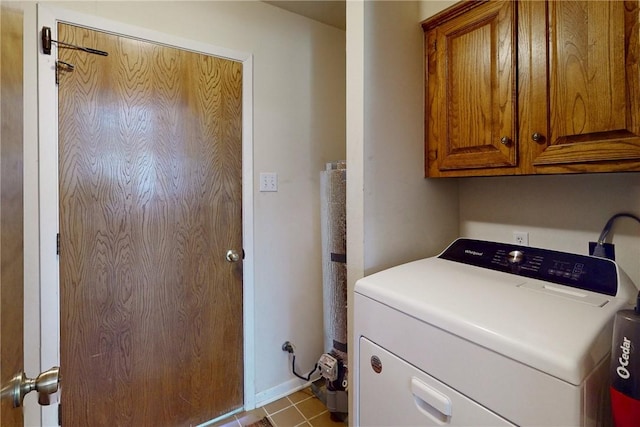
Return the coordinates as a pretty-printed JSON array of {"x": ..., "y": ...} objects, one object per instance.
[{"x": 578, "y": 271}]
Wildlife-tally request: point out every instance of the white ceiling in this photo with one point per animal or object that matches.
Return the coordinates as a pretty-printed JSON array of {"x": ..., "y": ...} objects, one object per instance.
[{"x": 331, "y": 12}]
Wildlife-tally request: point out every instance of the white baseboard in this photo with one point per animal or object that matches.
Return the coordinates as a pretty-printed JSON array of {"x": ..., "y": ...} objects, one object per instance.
[{"x": 280, "y": 391}]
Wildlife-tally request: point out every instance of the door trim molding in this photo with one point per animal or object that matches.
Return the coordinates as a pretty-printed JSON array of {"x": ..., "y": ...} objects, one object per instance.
[{"x": 48, "y": 185}]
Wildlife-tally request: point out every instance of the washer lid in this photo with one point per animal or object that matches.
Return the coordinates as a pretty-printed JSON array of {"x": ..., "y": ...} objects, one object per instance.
[{"x": 557, "y": 329}]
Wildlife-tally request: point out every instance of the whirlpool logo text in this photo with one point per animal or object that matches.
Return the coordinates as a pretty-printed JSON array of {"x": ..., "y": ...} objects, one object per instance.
[{"x": 474, "y": 253}]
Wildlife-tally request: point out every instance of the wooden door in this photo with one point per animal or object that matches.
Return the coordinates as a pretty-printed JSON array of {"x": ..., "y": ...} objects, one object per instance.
[
  {"x": 150, "y": 201},
  {"x": 11, "y": 211},
  {"x": 593, "y": 79},
  {"x": 471, "y": 96}
]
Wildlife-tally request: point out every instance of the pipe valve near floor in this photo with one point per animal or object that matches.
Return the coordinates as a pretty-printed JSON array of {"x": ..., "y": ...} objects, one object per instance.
[
  {"x": 328, "y": 367},
  {"x": 334, "y": 372}
]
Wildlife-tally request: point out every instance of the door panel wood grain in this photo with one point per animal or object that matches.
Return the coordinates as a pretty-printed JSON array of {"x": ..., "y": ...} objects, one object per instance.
[
  {"x": 150, "y": 201},
  {"x": 11, "y": 210}
]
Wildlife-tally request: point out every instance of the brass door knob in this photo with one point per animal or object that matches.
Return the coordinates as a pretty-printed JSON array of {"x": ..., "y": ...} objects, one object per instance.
[
  {"x": 232, "y": 256},
  {"x": 45, "y": 384}
]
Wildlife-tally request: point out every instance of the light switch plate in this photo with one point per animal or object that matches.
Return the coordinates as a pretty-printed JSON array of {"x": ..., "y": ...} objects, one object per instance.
[{"x": 268, "y": 181}]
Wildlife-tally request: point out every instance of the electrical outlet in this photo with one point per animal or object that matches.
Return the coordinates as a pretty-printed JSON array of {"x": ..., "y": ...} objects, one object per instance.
[
  {"x": 521, "y": 238},
  {"x": 268, "y": 181},
  {"x": 607, "y": 250}
]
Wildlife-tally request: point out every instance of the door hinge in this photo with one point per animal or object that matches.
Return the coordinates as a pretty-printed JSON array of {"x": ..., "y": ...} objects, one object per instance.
[
  {"x": 58, "y": 244},
  {"x": 60, "y": 414}
]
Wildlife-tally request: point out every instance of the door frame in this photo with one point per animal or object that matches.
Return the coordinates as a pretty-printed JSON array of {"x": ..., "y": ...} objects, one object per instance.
[{"x": 48, "y": 185}]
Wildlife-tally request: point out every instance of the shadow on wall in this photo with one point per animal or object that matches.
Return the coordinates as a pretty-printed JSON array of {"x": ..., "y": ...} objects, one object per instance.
[{"x": 574, "y": 202}]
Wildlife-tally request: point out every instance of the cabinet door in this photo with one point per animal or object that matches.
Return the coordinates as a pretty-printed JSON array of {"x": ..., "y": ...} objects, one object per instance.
[
  {"x": 593, "y": 82},
  {"x": 471, "y": 95}
]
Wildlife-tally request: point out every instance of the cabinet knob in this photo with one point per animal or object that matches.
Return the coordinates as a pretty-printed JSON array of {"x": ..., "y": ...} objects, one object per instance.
[
  {"x": 505, "y": 140},
  {"x": 537, "y": 137}
]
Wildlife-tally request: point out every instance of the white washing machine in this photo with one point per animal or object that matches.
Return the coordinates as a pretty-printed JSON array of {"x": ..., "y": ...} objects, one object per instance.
[{"x": 487, "y": 334}]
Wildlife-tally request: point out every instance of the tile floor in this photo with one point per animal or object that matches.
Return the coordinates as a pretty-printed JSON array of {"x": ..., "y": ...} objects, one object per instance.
[{"x": 301, "y": 408}]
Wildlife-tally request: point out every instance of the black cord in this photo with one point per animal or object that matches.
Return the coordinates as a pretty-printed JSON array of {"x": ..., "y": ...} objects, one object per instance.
[
  {"x": 609, "y": 224},
  {"x": 293, "y": 368},
  {"x": 599, "y": 249}
]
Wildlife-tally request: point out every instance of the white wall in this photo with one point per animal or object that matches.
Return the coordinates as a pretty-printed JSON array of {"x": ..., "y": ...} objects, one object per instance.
[
  {"x": 398, "y": 215},
  {"x": 299, "y": 125},
  {"x": 429, "y": 8},
  {"x": 406, "y": 216}
]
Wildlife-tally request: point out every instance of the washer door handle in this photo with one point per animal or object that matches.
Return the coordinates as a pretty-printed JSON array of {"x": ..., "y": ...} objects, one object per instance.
[{"x": 432, "y": 398}]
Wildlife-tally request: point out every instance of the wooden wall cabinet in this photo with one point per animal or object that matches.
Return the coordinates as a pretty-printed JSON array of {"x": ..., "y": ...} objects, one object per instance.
[{"x": 533, "y": 87}]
